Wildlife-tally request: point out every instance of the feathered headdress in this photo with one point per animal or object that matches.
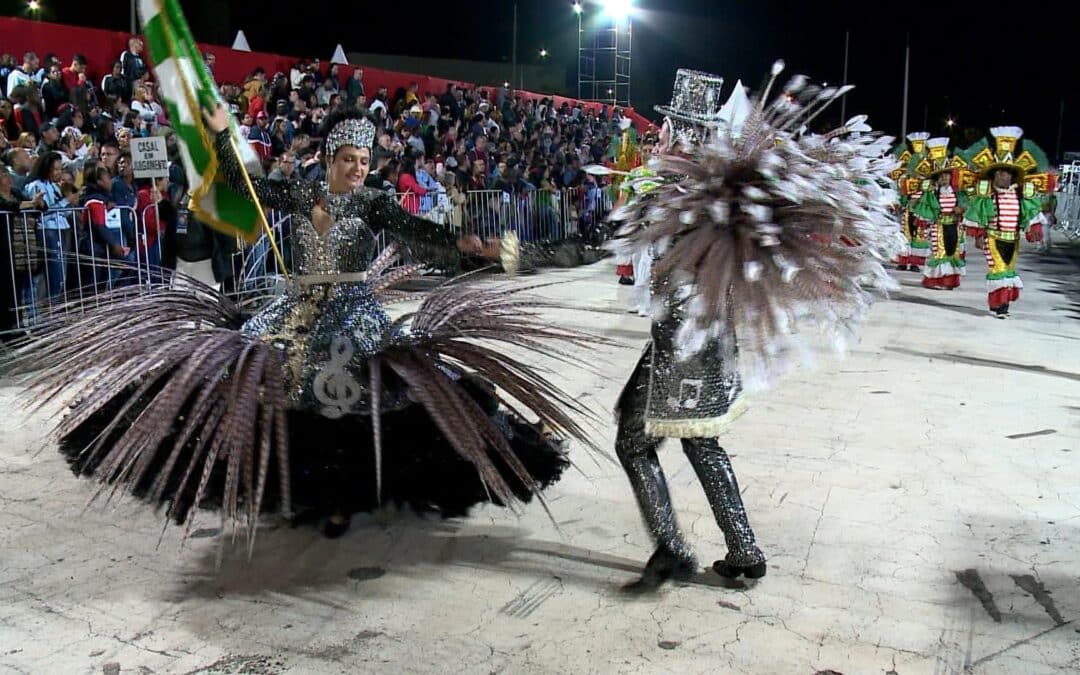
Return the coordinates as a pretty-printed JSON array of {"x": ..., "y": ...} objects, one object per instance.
[
  {"x": 939, "y": 160},
  {"x": 913, "y": 148},
  {"x": 1012, "y": 152},
  {"x": 773, "y": 232}
]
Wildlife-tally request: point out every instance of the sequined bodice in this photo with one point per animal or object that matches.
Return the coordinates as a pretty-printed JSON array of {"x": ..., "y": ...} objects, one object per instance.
[{"x": 348, "y": 246}]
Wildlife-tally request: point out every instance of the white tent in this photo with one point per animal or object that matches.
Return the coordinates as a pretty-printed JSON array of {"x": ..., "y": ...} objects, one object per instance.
[
  {"x": 240, "y": 44},
  {"x": 735, "y": 111},
  {"x": 339, "y": 57}
]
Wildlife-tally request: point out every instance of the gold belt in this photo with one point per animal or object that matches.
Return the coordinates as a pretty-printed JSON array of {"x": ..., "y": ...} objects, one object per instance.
[{"x": 315, "y": 279}]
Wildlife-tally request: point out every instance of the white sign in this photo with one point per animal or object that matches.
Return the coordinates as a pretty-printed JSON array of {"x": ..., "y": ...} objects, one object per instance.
[{"x": 150, "y": 157}]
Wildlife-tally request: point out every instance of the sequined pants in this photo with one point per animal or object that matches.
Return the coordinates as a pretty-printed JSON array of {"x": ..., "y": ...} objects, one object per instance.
[{"x": 637, "y": 452}]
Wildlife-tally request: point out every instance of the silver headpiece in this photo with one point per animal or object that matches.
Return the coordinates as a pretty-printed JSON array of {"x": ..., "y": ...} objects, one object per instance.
[{"x": 355, "y": 131}]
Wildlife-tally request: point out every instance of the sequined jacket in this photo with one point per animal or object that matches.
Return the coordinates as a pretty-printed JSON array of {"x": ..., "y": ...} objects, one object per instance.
[{"x": 427, "y": 241}]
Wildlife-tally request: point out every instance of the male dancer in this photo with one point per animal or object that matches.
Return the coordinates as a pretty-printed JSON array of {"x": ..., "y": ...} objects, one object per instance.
[
  {"x": 692, "y": 399},
  {"x": 739, "y": 213}
]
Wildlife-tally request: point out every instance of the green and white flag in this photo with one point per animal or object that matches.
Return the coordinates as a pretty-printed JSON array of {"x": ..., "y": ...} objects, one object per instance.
[{"x": 186, "y": 90}]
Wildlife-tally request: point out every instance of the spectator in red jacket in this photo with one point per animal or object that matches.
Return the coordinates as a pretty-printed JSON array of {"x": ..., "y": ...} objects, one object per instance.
[
  {"x": 156, "y": 214},
  {"x": 409, "y": 186},
  {"x": 259, "y": 137}
]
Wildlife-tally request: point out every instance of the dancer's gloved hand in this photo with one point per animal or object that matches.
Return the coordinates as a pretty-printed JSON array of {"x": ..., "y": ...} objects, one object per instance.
[
  {"x": 489, "y": 249},
  {"x": 218, "y": 120}
]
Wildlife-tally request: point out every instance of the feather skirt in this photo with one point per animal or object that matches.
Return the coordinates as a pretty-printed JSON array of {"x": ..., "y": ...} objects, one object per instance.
[{"x": 167, "y": 398}]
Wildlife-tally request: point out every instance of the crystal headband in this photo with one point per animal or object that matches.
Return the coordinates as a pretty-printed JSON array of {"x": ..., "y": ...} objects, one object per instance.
[{"x": 358, "y": 132}]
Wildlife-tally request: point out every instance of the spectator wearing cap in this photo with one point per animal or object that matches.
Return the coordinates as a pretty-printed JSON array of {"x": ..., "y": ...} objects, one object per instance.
[
  {"x": 354, "y": 89},
  {"x": 50, "y": 139},
  {"x": 132, "y": 66},
  {"x": 259, "y": 137}
]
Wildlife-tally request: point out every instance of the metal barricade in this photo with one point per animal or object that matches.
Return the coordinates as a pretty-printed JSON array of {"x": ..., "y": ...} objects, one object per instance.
[
  {"x": 60, "y": 258},
  {"x": 1068, "y": 200}
]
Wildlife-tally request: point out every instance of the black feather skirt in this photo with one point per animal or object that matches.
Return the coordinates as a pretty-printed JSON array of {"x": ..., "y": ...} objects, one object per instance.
[
  {"x": 332, "y": 466},
  {"x": 172, "y": 398}
]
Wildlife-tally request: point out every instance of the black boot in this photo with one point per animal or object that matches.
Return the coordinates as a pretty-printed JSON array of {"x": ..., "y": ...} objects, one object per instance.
[
  {"x": 662, "y": 566},
  {"x": 637, "y": 453},
  {"x": 729, "y": 571},
  {"x": 717, "y": 476}
]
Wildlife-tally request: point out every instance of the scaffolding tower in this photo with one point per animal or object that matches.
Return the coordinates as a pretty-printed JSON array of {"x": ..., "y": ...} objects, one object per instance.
[{"x": 604, "y": 58}]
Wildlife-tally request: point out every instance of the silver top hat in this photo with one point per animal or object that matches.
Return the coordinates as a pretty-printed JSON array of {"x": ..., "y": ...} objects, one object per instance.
[{"x": 695, "y": 98}]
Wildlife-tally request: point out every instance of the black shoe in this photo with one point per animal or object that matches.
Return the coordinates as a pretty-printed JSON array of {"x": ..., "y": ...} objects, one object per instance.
[
  {"x": 729, "y": 571},
  {"x": 626, "y": 281},
  {"x": 332, "y": 529},
  {"x": 662, "y": 566}
]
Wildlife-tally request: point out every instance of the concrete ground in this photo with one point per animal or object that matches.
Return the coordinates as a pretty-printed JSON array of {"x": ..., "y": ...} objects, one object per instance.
[{"x": 919, "y": 502}]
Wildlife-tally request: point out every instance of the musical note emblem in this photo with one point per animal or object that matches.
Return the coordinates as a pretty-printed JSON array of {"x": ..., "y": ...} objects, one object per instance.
[
  {"x": 333, "y": 386},
  {"x": 689, "y": 395}
]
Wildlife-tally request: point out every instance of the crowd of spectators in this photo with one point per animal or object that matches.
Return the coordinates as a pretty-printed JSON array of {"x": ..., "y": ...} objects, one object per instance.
[
  {"x": 432, "y": 146},
  {"x": 65, "y": 137}
]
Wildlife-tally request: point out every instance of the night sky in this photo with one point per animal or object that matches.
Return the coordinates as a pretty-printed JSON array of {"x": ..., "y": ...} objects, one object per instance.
[{"x": 981, "y": 68}]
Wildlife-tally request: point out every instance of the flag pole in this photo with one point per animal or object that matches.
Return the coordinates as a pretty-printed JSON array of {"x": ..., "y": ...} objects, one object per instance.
[
  {"x": 201, "y": 124},
  {"x": 258, "y": 206}
]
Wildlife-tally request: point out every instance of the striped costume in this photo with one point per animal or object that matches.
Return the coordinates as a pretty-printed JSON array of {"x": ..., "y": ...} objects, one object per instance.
[
  {"x": 1007, "y": 200},
  {"x": 1003, "y": 213},
  {"x": 945, "y": 264}
]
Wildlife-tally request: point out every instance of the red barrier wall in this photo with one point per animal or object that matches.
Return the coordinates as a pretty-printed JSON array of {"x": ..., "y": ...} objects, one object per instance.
[{"x": 102, "y": 47}]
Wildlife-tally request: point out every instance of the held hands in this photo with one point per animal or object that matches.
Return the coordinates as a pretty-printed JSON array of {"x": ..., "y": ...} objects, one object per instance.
[
  {"x": 218, "y": 121},
  {"x": 473, "y": 245}
]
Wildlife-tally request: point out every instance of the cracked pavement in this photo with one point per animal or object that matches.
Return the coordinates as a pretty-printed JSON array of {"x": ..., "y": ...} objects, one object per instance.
[{"x": 870, "y": 482}]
